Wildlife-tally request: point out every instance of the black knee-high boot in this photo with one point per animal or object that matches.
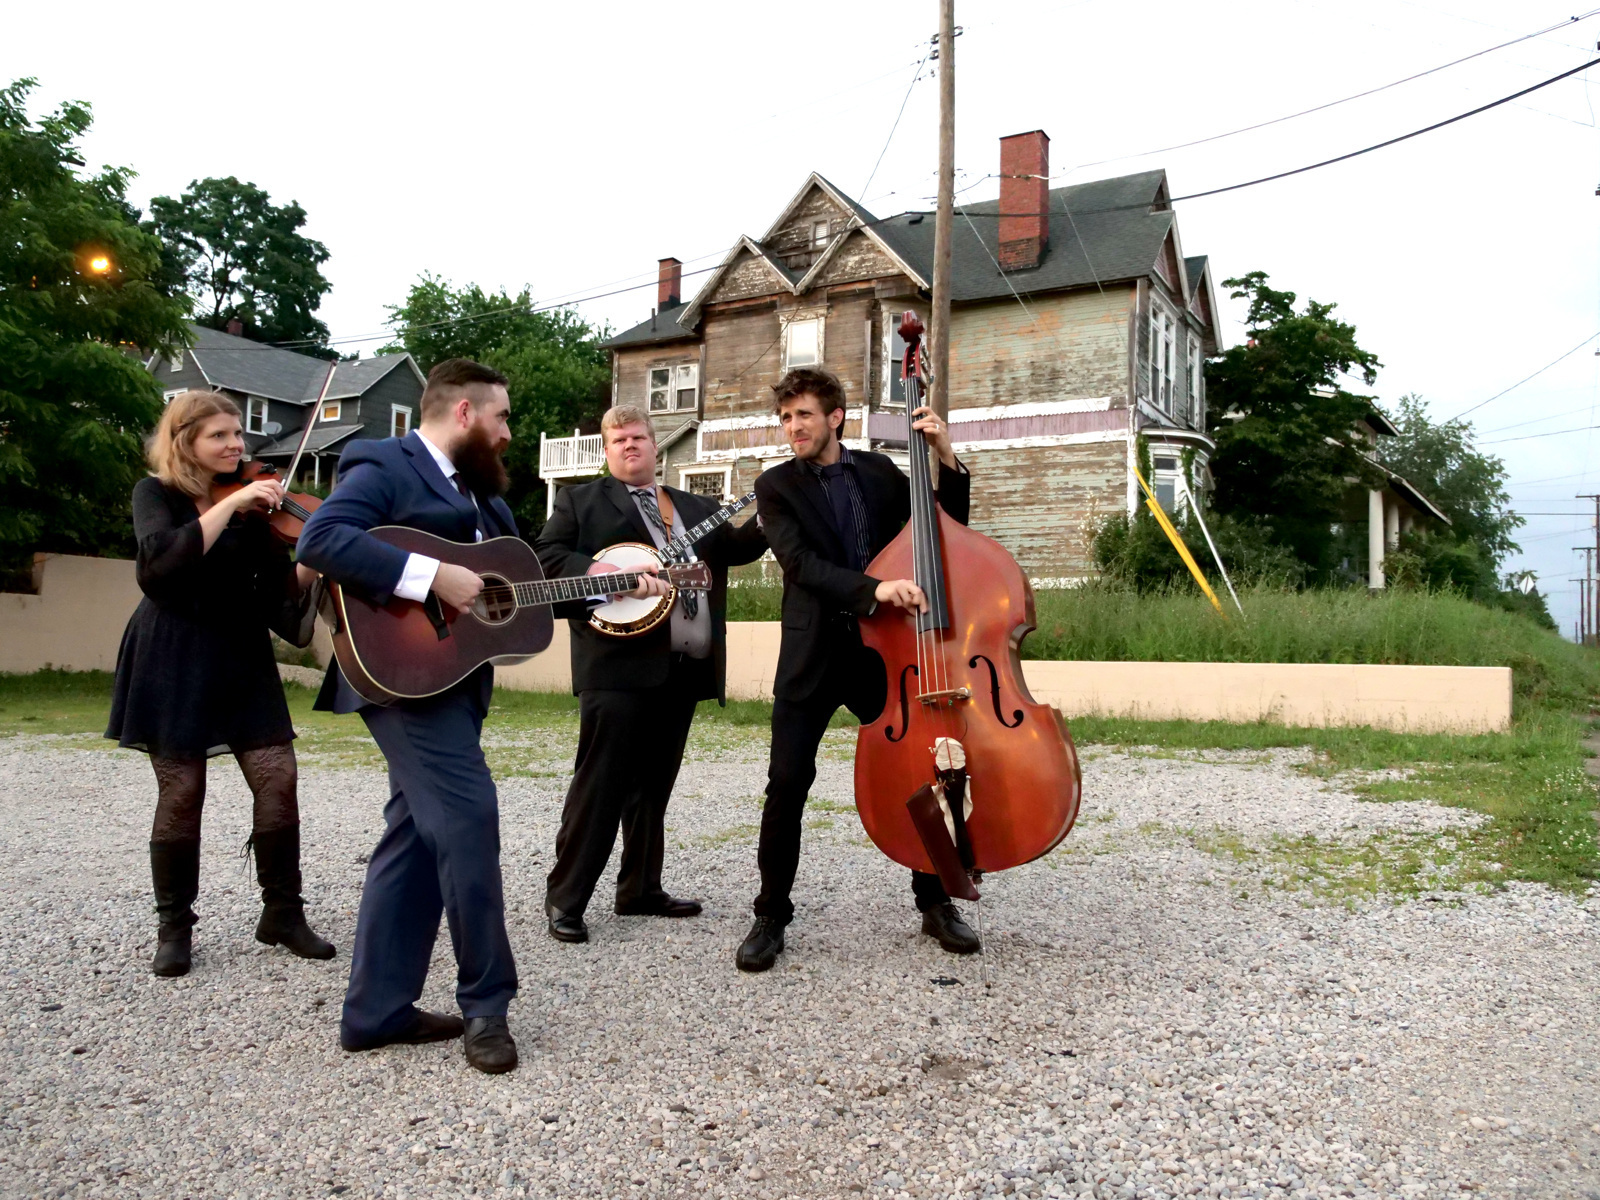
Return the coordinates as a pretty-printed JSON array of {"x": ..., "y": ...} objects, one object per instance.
[
  {"x": 283, "y": 914},
  {"x": 175, "y": 874}
]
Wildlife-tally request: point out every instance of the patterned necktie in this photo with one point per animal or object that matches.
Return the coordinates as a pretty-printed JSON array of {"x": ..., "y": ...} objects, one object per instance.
[{"x": 647, "y": 504}]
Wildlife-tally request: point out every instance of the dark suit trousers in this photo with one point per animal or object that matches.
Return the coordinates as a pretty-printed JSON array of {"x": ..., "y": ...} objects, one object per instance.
[
  {"x": 440, "y": 851},
  {"x": 630, "y": 744},
  {"x": 797, "y": 729}
]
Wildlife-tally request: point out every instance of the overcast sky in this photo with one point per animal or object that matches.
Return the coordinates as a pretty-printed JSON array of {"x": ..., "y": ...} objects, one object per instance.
[{"x": 567, "y": 147}]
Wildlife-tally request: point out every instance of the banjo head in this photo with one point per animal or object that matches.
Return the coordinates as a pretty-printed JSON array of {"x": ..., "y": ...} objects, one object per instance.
[{"x": 626, "y": 616}]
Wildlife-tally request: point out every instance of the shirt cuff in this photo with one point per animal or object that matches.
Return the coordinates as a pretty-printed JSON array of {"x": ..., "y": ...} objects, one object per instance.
[{"x": 417, "y": 579}]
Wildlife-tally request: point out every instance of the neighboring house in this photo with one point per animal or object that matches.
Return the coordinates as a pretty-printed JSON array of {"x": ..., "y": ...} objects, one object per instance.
[
  {"x": 1078, "y": 327},
  {"x": 1396, "y": 508},
  {"x": 277, "y": 392}
]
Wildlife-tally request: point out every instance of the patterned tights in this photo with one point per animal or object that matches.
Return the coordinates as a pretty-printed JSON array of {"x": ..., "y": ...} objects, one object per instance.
[{"x": 181, "y": 792}]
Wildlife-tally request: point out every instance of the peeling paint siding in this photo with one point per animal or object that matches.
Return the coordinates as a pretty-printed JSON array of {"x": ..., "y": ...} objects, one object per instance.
[
  {"x": 796, "y": 235},
  {"x": 744, "y": 351},
  {"x": 858, "y": 258},
  {"x": 1065, "y": 345},
  {"x": 1044, "y": 505},
  {"x": 749, "y": 276}
]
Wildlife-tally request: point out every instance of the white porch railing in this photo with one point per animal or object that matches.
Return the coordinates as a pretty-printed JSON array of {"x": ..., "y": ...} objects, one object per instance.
[{"x": 566, "y": 458}]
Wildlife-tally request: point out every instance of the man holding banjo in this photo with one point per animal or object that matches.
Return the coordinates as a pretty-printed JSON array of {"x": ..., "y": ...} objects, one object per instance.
[{"x": 639, "y": 668}]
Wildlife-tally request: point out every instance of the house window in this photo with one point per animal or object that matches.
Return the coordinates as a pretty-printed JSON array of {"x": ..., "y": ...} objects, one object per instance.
[
  {"x": 175, "y": 364},
  {"x": 330, "y": 411},
  {"x": 1195, "y": 377},
  {"x": 166, "y": 397},
  {"x": 674, "y": 387},
  {"x": 802, "y": 343},
  {"x": 1165, "y": 471},
  {"x": 897, "y": 363},
  {"x": 1161, "y": 360},
  {"x": 713, "y": 484},
  {"x": 399, "y": 420},
  {"x": 819, "y": 234},
  {"x": 255, "y": 415}
]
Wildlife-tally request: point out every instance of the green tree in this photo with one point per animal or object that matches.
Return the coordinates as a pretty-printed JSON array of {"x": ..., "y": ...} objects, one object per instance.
[
  {"x": 1469, "y": 487},
  {"x": 559, "y": 376},
  {"x": 80, "y": 300},
  {"x": 241, "y": 256},
  {"x": 1283, "y": 424}
]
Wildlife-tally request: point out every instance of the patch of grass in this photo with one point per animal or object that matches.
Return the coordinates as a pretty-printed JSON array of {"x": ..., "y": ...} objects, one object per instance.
[
  {"x": 1390, "y": 863},
  {"x": 1320, "y": 626},
  {"x": 59, "y": 702},
  {"x": 1529, "y": 781}
]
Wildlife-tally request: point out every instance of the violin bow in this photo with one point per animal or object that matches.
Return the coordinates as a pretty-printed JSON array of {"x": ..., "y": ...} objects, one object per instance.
[{"x": 311, "y": 423}]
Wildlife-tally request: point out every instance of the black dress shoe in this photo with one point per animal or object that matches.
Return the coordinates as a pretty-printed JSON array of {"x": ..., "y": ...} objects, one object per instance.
[
  {"x": 567, "y": 927},
  {"x": 489, "y": 1046},
  {"x": 424, "y": 1027},
  {"x": 955, "y": 935},
  {"x": 761, "y": 949},
  {"x": 659, "y": 906}
]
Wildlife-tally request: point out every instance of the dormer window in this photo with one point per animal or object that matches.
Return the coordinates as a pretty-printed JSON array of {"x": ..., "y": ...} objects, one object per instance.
[
  {"x": 331, "y": 410},
  {"x": 819, "y": 234},
  {"x": 175, "y": 363}
]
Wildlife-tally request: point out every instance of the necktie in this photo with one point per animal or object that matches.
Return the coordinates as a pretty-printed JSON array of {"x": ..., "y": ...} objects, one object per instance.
[
  {"x": 647, "y": 504},
  {"x": 477, "y": 508}
]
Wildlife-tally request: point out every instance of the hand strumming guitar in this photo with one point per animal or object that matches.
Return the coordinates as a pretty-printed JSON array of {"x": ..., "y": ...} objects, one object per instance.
[{"x": 456, "y": 586}]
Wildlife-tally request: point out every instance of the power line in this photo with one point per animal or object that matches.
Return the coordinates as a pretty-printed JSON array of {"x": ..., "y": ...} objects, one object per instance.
[
  {"x": 1520, "y": 382},
  {"x": 1305, "y": 112},
  {"x": 997, "y": 215},
  {"x": 1548, "y": 433},
  {"x": 915, "y": 79}
]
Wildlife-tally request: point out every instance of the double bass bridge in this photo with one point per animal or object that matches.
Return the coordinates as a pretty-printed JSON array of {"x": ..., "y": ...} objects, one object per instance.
[{"x": 948, "y": 696}]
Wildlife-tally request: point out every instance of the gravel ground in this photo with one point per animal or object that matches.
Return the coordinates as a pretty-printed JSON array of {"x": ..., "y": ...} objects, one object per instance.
[{"x": 1157, "y": 1024}]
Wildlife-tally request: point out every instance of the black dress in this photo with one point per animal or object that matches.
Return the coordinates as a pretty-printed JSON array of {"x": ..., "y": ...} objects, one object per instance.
[{"x": 196, "y": 674}]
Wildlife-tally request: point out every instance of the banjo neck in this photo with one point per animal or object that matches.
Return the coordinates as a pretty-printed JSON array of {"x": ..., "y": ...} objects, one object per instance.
[
  {"x": 680, "y": 547},
  {"x": 608, "y": 583}
]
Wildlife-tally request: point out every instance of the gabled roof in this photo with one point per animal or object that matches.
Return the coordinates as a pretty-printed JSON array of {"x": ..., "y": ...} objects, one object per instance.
[
  {"x": 1102, "y": 231},
  {"x": 241, "y": 365},
  {"x": 320, "y": 439},
  {"x": 663, "y": 327}
]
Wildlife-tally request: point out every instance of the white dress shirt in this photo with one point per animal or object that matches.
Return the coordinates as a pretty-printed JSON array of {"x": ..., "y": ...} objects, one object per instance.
[{"x": 417, "y": 578}]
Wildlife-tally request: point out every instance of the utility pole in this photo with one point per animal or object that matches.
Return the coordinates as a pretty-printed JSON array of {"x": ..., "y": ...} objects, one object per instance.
[
  {"x": 1594, "y": 595},
  {"x": 1586, "y": 596},
  {"x": 944, "y": 214}
]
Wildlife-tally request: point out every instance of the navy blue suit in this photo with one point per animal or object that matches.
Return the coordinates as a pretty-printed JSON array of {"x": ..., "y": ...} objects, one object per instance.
[{"x": 440, "y": 849}]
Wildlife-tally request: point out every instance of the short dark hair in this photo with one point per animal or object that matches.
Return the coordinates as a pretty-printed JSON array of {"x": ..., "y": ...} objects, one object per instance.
[
  {"x": 813, "y": 381},
  {"x": 448, "y": 379}
]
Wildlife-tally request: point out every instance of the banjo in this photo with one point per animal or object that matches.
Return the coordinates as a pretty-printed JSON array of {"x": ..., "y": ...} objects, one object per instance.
[{"x": 630, "y": 617}]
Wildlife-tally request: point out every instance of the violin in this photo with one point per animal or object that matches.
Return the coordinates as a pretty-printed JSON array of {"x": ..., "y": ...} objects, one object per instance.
[
  {"x": 964, "y": 771},
  {"x": 289, "y": 518}
]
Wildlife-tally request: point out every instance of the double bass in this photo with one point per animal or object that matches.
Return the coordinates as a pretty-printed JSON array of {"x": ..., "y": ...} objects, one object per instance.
[{"x": 964, "y": 771}]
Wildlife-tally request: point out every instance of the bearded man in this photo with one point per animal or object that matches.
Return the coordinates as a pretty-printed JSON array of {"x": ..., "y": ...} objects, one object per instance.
[{"x": 440, "y": 849}]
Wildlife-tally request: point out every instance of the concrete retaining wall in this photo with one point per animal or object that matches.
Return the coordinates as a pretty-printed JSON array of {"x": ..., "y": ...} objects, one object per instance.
[{"x": 75, "y": 623}]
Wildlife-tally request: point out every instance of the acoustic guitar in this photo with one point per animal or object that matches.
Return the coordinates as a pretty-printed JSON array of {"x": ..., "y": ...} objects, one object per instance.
[{"x": 405, "y": 650}]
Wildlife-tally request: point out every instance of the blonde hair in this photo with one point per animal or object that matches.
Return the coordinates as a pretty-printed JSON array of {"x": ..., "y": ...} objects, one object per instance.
[
  {"x": 626, "y": 414},
  {"x": 170, "y": 449}
]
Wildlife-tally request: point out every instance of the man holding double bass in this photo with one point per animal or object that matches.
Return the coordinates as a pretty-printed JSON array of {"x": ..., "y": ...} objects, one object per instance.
[
  {"x": 827, "y": 513},
  {"x": 637, "y": 695}
]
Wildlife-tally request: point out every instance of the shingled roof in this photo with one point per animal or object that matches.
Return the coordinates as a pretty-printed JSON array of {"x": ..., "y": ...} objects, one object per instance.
[
  {"x": 241, "y": 365},
  {"x": 1102, "y": 231}
]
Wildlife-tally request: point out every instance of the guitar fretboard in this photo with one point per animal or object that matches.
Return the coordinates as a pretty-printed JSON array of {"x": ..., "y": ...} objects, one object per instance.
[{"x": 574, "y": 587}]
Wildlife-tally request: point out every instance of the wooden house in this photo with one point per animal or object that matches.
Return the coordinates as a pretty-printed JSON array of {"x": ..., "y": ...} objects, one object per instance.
[
  {"x": 277, "y": 391},
  {"x": 1078, "y": 330}
]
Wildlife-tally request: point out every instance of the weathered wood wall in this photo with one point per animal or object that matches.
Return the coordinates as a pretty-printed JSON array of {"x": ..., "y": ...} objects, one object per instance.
[{"x": 1061, "y": 347}]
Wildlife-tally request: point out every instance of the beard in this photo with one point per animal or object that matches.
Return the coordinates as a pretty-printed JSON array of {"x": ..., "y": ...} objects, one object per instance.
[{"x": 481, "y": 466}]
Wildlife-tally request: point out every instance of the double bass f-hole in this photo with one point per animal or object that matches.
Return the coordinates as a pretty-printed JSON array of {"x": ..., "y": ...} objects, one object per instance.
[
  {"x": 905, "y": 706},
  {"x": 994, "y": 692}
]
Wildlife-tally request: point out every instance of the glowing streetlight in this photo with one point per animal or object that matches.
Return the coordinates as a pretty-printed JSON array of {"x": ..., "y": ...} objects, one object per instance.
[{"x": 99, "y": 264}]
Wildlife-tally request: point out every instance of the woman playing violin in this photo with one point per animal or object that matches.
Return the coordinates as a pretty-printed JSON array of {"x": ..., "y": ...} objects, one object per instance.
[{"x": 196, "y": 675}]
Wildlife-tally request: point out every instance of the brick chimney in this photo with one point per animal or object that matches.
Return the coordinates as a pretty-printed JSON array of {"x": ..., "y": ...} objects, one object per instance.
[
  {"x": 669, "y": 282},
  {"x": 235, "y": 326},
  {"x": 1024, "y": 199}
]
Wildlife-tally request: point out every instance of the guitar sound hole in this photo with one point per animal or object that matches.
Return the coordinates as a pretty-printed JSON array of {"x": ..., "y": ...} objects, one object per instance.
[{"x": 497, "y": 603}]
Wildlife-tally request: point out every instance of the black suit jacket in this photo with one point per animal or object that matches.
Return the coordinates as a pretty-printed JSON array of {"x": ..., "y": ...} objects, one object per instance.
[
  {"x": 821, "y": 594},
  {"x": 592, "y": 516}
]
